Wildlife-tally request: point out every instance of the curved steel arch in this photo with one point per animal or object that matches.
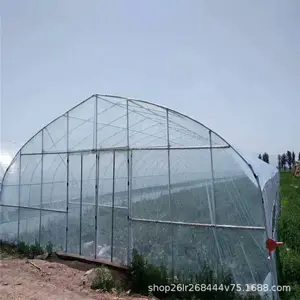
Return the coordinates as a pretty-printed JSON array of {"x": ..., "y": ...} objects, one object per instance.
[{"x": 134, "y": 101}]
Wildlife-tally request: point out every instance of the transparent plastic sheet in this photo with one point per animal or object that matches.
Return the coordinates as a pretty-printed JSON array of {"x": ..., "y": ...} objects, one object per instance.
[
  {"x": 163, "y": 184},
  {"x": 268, "y": 177}
]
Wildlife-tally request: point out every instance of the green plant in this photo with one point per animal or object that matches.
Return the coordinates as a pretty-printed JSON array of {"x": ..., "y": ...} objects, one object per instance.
[
  {"x": 7, "y": 249},
  {"x": 23, "y": 248},
  {"x": 49, "y": 248},
  {"x": 103, "y": 280},
  {"x": 36, "y": 249},
  {"x": 143, "y": 274},
  {"x": 146, "y": 278}
]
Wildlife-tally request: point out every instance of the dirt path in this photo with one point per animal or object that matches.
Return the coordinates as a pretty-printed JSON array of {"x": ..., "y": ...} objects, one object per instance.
[{"x": 20, "y": 280}]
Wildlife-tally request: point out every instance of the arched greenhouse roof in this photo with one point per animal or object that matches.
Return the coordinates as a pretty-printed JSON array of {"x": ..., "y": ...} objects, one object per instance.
[{"x": 147, "y": 128}]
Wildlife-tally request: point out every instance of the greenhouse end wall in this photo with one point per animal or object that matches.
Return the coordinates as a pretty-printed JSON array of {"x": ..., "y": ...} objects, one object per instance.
[{"x": 113, "y": 174}]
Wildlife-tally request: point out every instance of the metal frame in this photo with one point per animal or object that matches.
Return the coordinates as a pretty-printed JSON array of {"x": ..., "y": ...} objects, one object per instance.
[
  {"x": 129, "y": 175},
  {"x": 42, "y": 176},
  {"x": 19, "y": 200},
  {"x": 197, "y": 224},
  {"x": 126, "y": 149},
  {"x": 80, "y": 218},
  {"x": 113, "y": 207},
  {"x": 96, "y": 177},
  {"x": 129, "y": 151},
  {"x": 214, "y": 199},
  {"x": 96, "y": 203},
  {"x": 67, "y": 204},
  {"x": 67, "y": 185},
  {"x": 170, "y": 192},
  {"x": 34, "y": 208}
]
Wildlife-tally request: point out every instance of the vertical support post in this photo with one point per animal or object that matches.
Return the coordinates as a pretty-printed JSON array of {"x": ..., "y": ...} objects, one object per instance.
[
  {"x": 68, "y": 179},
  {"x": 95, "y": 141},
  {"x": 212, "y": 180},
  {"x": 96, "y": 177},
  {"x": 130, "y": 179},
  {"x": 214, "y": 199},
  {"x": 96, "y": 203},
  {"x": 170, "y": 193},
  {"x": 67, "y": 206},
  {"x": 129, "y": 174},
  {"x": 80, "y": 224},
  {"x": 113, "y": 206},
  {"x": 19, "y": 197},
  {"x": 41, "y": 192}
]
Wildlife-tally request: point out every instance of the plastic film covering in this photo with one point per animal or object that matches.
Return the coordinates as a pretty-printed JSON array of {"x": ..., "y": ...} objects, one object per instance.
[{"x": 113, "y": 174}]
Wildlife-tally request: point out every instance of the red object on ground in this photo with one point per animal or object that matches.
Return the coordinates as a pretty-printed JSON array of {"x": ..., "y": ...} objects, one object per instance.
[{"x": 272, "y": 245}]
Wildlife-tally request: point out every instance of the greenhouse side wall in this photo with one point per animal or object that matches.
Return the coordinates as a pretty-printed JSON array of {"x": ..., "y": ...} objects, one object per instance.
[{"x": 114, "y": 174}]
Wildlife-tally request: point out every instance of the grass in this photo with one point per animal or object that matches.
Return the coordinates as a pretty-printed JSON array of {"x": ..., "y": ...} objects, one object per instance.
[
  {"x": 145, "y": 278},
  {"x": 11, "y": 250},
  {"x": 289, "y": 233}
]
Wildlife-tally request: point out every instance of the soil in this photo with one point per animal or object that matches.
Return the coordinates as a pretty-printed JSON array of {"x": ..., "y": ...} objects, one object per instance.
[{"x": 35, "y": 279}]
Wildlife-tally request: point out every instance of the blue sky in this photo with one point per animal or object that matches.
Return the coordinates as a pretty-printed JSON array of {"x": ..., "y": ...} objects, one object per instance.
[{"x": 232, "y": 65}]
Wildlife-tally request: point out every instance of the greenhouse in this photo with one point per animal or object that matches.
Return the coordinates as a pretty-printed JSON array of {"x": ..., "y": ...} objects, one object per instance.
[{"x": 115, "y": 174}]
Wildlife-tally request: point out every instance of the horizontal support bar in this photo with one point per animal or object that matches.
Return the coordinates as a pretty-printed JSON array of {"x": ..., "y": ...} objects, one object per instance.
[
  {"x": 33, "y": 208},
  {"x": 93, "y": 151},
  {"x": 198, "y": 224},
  {"x": 63, "y": 211},
  {"x": 99, "y": 205},
  {"x": 35, "y": 184}
]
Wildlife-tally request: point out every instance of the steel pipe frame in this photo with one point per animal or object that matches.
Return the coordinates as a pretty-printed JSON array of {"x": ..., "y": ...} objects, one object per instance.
[
  {"x": 80, "y": 217},
  {"x": 198, "y": 224},
  {"x": 19, "y": 200},
  {"x": 129, "y": 175},
  {"x": 33, "y": 208},
  {"x": 170, "y": 193},
  {"x": 112, "y": 207},
  {"x": 57, "y": 210},
  {"x": 96, "y": 203},
  {"x": 214, "y": 199},
  {"x": 67, "y": 186},
  {"x": 41, "y": 200},
  {"x": 96, "y": 177},
  {"x": 67, "y": 206},
  {"x": 125, "y": 149},
  {"x": 146, "y": 102}
]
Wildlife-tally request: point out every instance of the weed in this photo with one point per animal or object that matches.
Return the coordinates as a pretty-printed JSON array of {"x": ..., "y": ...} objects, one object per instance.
[
  {"x": 49, "y": 248},
  {"x": 146, "y": 278},
  {"x": 103, "y": 280}
]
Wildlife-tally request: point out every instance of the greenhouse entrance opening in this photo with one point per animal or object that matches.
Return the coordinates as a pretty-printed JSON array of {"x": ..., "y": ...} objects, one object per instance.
[
  {"x": 98, "y": 199},
  {"x": 115, "y": 174}
]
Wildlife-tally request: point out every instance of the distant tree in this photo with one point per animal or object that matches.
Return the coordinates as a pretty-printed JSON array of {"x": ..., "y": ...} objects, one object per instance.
[
  {"x": 259, "y": 156},
  {"x": 265, "y": 157},
  {"x": 299, "y": 157},
  {"x": 283, "y": 161},
  {"x": 293, "y": 158},
  {"x": 279, "y": 162},
  {"x": 289, "y": 159}
]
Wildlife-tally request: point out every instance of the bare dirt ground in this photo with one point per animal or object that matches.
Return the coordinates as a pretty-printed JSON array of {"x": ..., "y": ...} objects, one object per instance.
[{"x": 20, "y": 280}]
